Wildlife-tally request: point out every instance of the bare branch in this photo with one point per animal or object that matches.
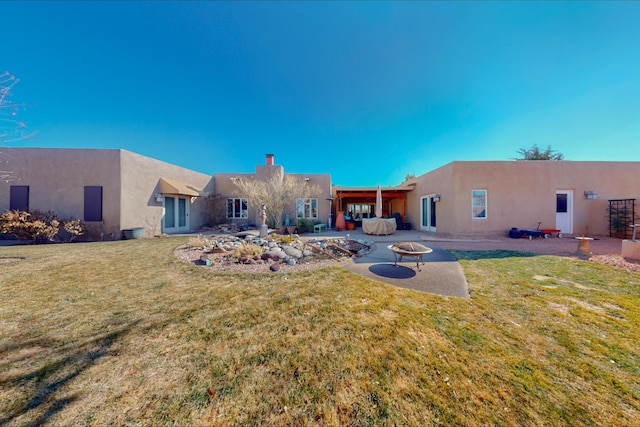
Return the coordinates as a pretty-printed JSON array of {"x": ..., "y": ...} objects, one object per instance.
[
  {"x": 277, "y": 193},
  {"x": 11, "y": 128}
]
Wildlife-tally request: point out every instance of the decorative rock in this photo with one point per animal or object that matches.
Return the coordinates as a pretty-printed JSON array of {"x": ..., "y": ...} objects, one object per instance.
[
  {"x": 293, "y": 252},
  {"x": 274, "y": 253},
  {"x": 275, "y": 267},
  {"x": 290, "y": 261}
]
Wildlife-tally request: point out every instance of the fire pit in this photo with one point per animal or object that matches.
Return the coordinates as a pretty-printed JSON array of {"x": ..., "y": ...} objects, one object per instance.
[{"x": 411, "y": 249}]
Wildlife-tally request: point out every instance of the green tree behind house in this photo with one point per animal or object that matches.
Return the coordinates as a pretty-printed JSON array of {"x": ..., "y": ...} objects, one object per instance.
[{"x": 536, "y": 153}]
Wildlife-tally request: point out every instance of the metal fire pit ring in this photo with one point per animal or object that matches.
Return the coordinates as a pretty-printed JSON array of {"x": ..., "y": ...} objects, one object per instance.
[{"x": 410, "y": 249}]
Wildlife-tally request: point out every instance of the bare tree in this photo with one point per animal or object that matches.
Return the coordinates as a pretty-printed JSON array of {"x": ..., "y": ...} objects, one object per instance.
[
  {"x": 535, "y": 153},
  {"x": 12, "y": 129},
  {"x": 277, "y": 193},
  {"x": 215, "y": 209}
]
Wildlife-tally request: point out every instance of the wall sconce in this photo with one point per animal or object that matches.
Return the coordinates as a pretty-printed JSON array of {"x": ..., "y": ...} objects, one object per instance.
[
  {"x": 307, "y": 179},
  {"x": 591, "y": 195},
  {"x": 436, "y": 198},
  {"x": 159, "y": 198}
]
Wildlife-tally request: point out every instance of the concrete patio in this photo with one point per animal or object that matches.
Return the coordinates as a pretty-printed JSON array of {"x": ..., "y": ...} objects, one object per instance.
[{"x": 440, "y": 274}]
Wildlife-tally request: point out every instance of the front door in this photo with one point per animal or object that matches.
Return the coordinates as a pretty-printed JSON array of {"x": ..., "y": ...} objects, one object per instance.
[
  {"x": 564, "y": 211},
  {"x": 428, "y": 213},
  {"x": 176, "y": 214}
]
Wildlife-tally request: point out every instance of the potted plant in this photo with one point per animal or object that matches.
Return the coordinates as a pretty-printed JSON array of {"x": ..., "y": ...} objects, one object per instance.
[
  {"x": 303, "y": 226},
  {"x": 287, "y": 223}
]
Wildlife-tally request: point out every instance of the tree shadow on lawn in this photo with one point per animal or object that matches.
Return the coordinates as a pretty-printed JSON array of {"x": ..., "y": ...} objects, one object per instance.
[
  {"x": 56, "y": 366},
  {"x": 492, "y": 254}
]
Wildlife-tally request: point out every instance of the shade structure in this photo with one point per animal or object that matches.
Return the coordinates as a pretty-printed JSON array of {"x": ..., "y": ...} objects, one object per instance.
[
  {"x": 173, "y": 187},
  {"x": 379, "y": 202}
]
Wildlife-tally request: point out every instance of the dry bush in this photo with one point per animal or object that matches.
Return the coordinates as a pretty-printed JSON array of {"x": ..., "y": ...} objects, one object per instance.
[
  {"x": 74, "y": 228},
  {"x": 248, "y": 250},
  {"x": 215, "y": 209},
  {"x": 283, "y": 238},
  {"x": 198, "y": 242},
  {"x": 39, "y": 226}
]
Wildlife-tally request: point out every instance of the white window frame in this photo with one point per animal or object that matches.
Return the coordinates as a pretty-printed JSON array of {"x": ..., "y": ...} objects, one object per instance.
[
  {"x": 244, "y": 208},
  {"x": 477, "y": 209},
  {"x": 309, "y": 206}
]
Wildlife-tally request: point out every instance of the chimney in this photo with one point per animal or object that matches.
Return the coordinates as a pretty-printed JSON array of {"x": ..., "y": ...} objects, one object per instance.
[{"x": 269, "y": 159}]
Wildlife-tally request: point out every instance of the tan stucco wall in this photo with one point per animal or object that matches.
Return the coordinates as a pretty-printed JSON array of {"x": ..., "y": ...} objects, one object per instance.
[
  {"x": 324, "y": 182},
  {"x": 225, "y": 187},
  {"x": 57, "y": 177},
  {"x": 521, "y": 194},
  {"x": 140, "y": 183},
  {"x": 437, "y": 181}
]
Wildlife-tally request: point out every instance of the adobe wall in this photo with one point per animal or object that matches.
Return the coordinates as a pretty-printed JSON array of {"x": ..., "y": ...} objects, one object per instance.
[
  {"x": 225, "y": 186},
  {"x": 437, "y": 181},
  {"x": 56, "y": 178},
  {"x": 140, "y": 184},
  {"x": 522, "y": 193}
]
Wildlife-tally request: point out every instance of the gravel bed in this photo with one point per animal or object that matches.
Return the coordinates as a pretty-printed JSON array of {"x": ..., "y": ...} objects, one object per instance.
[
  {"x": 224, "y": 262},
  {"x": 604, "y": 251}
]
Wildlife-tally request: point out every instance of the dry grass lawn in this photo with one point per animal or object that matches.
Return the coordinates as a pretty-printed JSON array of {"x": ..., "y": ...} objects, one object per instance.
[{"x": 122, "y": 333}]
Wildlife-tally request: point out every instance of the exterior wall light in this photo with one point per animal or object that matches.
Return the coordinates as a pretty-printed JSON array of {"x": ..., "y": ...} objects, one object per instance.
[
  {"x": 159, "y": 198},
  {"x": 436, "y": 198},
  {"x": 591, "y": 195}
]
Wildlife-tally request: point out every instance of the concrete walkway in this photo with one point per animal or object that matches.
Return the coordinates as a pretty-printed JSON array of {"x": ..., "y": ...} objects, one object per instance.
[{"x": 441, "y": 274}]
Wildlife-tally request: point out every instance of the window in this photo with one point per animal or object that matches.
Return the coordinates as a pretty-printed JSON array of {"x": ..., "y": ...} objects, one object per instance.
[
  {"x": 562, "y": 203},
  {"x": 237, "y": 208},
  {"x": 479, "y": 204},
  {"x": 169, "y": 212},
  {"x": 307, "y": 208},
  {"x": 93, "y": 203},
  {"x": 19, "y": 198},
  {"x": 359, "y": 211}
]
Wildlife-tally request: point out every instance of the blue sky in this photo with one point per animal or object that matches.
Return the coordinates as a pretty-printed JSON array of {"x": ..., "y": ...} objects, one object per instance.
[{"x": 365, "y": 91}]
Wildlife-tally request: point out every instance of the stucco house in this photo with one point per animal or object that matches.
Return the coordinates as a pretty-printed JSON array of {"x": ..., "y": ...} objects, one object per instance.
[
  {"x": 473, "y": 198},
  {"x": 238, "y": 209},
  {"x": 109, "y": 189},
  {"x": 114, "y": 190}
]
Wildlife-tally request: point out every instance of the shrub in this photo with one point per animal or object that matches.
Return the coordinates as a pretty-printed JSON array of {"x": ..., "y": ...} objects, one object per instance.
[
  {"x": 284, "y": 239},
  {"x": 39, "y": 226},
  {"x": 304, "y": 225},
  {"x": 74, "y": 227},
  {"x": 198, "y": 242},
  {"x": 248, "y": 250},
  {"x": 215, "y": 210}
]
